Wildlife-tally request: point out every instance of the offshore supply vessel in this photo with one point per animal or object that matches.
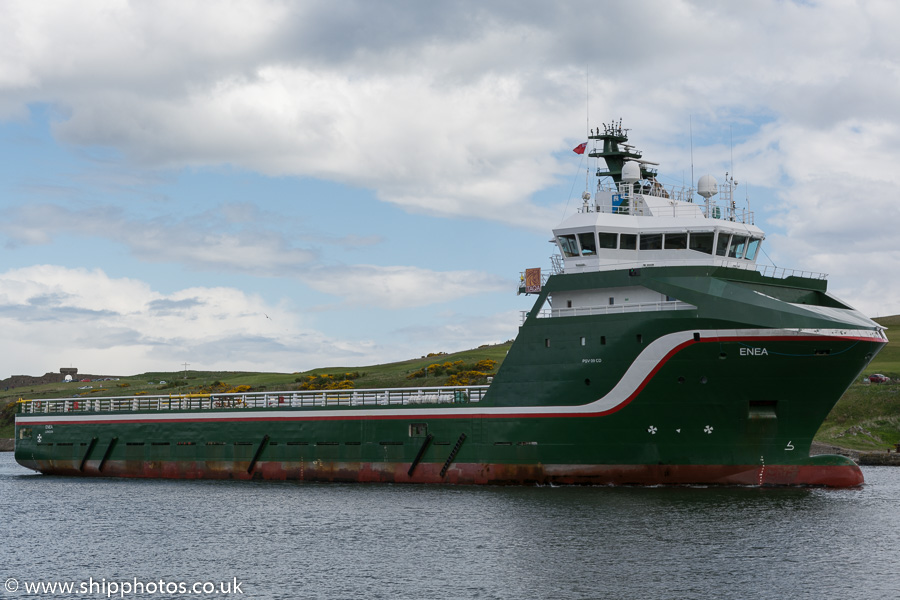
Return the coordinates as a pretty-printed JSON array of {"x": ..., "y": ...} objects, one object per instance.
[{"x": 656, "y": 352}]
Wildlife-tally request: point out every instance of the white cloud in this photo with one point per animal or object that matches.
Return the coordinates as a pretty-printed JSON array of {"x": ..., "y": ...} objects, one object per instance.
[
  {"x": 55, "y": 317},
  {"x": 196, "y": 243},
  {"x": 450, "y": 109},
  {"x": 401, "y": 287}
]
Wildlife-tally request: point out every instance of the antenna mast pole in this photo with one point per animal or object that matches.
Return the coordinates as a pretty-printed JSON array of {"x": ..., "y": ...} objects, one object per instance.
[
  {"x": 691, "y": 126},
  {"x": 587, "y": 122}
]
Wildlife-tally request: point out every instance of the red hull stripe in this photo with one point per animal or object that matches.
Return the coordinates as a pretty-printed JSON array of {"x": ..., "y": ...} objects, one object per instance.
[{"x": 635, "y": 379}]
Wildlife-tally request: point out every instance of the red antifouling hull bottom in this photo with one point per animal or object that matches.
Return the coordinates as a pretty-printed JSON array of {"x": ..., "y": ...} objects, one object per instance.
[{"x": 822, "y": 471}]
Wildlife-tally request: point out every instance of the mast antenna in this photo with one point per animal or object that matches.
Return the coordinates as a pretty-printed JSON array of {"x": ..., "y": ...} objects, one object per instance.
[
  {"x": 587, "y": 123},
  {"x": 691, "y": 125}
]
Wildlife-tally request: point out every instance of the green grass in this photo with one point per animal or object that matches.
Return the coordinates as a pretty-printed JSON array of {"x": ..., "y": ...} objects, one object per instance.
[
  {"x": 888, "y": 360},
  {"x": 180, "y": 382},
  {"x": 867, "y": 417}
]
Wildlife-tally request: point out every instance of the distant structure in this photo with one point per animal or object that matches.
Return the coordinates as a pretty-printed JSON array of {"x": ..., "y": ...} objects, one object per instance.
[{"x": 65, "y": 374}]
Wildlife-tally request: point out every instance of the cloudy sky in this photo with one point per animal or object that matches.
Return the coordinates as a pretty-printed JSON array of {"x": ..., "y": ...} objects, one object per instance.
[{"x": 286, "y": 185}]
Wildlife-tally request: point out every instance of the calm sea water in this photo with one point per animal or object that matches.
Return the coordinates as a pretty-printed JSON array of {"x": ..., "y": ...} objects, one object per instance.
[{"x": 295, "y": 541}]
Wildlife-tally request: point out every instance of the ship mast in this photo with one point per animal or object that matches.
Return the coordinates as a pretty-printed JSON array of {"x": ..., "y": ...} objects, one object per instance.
[{"x": 616, "y": 152}]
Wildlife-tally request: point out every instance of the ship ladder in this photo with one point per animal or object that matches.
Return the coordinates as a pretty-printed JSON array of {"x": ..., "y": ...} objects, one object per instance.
[
  {"x": 419, "y": 455},
  {"x": 87, "y": 453},
  {"x": 449, "y": 461},
  {"x": 258, "y": 452},
  {"x": 106, "y": 454}
]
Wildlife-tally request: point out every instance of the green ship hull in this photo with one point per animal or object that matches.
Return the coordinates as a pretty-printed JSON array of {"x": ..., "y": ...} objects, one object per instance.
[{"x": 728, "y": 384}]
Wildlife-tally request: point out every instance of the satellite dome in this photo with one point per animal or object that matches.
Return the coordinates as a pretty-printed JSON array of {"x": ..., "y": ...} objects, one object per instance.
[
  {"x": 631, "y": 172},
  {"x": 707, "y": 186}
]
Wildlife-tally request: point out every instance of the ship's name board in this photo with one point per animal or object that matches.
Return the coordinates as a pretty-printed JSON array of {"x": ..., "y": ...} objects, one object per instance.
[{"x": 754, "y": 352}]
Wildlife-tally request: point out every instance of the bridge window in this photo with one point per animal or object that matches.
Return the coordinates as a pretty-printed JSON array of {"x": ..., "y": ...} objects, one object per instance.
[
  {"x": 676, "y": 241},
  {"x": 628, "y": 241},
  {"x": 608, "y": 241},
  {"x": 737, "y": 247},
  {"x": 588, "y": 244},
  {"x": 702, "y": 242},
  {"x": 752, "y": 247},
  {"x": 651, "y": 241},
  {"x": 569, "y": 245},
  {"x": 722, "y": 244}
]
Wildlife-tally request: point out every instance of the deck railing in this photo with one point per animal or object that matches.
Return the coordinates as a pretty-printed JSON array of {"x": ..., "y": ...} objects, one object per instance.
[
  {"x": 257, "y": 400},
  {"x": 584, "y": 311},
  {"x": 558, "y": 268}
]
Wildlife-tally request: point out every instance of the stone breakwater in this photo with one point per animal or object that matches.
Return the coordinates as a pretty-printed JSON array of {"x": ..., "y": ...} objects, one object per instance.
[
  {"x": 880, "y": 459},
  {"x": 7, "y": 444},
  {"x": 869, "y": 459}
]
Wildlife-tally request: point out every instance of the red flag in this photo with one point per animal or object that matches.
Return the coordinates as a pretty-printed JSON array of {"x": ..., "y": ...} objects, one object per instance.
[{"x": 579, "y": 149}]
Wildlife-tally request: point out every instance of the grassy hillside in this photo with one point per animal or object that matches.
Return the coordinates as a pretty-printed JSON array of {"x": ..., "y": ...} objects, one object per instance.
[
  {"x": 180, "y": 382},
  {"x": 867, "y": 417}
]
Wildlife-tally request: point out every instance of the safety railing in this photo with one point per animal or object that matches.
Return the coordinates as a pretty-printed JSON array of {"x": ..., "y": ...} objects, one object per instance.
[
  {"x": 585, "y": 311},
  {"x": 258, "y": 400},
  {"x": 718, "y": 261}
]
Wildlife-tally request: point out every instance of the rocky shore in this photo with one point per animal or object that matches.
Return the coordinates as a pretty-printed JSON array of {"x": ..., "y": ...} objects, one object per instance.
[{"x": 880, "y": 458}]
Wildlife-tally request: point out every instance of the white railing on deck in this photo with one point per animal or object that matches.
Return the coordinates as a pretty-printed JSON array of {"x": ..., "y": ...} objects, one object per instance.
[
  {"x": 613, "y": 309},
  {"x": 682, "y": 199},
  {"x": 734, "y": 263},
  {"x": 257, "y": 400}
]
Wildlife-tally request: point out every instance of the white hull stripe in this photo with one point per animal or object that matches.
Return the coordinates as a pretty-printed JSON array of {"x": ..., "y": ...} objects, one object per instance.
[{"x": 635, "y": 378}]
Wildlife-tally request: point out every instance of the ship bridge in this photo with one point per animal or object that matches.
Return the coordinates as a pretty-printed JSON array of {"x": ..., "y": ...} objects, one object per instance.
[
  {"x": 633, "y": 220},
  {"x": 646, "y": 224}
]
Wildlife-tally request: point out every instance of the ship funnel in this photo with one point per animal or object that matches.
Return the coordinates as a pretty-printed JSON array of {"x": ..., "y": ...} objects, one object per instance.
[
  {"x": 707, "y": 186},
  {"x": 631, "y": 172}
]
